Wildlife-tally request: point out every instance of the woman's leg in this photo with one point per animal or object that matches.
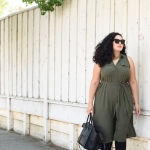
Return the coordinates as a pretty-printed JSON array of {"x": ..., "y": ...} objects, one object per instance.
[
  {"x": 107, "y": 145},
  {"x": 120, "y": 145}
]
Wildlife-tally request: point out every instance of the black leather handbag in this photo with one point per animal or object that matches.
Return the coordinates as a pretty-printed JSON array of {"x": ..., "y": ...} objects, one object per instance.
[{"x": 89, "y": 138}]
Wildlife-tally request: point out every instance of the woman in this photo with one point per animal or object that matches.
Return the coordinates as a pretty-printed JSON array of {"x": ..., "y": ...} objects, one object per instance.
[{"x": 115, "y": 89}]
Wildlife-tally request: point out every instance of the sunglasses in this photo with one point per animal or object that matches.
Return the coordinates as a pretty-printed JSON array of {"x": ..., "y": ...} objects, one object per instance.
[{"x": 117, "y": 41}]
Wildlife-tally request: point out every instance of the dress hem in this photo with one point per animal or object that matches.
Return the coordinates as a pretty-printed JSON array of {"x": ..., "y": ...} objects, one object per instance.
[{"x": 120, "y": 140}]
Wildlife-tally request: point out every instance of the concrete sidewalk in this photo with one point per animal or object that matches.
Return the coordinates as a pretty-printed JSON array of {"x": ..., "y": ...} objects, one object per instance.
[{"x": 14, "y": 141}]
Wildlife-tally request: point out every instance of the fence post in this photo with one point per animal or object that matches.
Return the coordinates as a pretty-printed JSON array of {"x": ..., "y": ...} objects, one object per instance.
[
  {"x": 7, "y": 61},
  {"x": 26, "y": 124},
  {"x": 44, "y": 31},
  {"x": 72, "y": 136}
]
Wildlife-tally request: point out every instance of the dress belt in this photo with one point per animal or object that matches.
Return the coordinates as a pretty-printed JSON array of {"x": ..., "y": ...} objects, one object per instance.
[
  {"x": 128, "y": 109},
  {"x": 118, "y": 84}
]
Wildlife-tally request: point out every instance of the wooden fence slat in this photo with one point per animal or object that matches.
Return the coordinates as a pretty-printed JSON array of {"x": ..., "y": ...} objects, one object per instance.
[
  {"x": 81, "y": 51},
  {"x": 121, "y": 17},
  {"x": 133, "y": 31},
  {"x": 10, "y": 57},
  {"x": 2, "y": 57},
  {"x": 44, "y": 38},
  {"x": 73, "y": 52},
  {"x": 144, "y": 44},
  {"x": 6, "y": 56},
  {"x": 90, "y": 44},
  {"x": 58, "y": 52},
  {"x": 0, "y": 53},
  {"x": 102, "y": 19},
  {"x": 19, "y": 56},
  {"x": 112, "y": 16},
  {"x": 36, "y": 54},
  {"x": 51, "y": 77},
  {"x": 24, "y": 55},
  {"x": 14, "y": 52},
  {"x": 30, "y": 52},
  {"x": 65, "y": 50},
  {"x": 43, "y": 52}
]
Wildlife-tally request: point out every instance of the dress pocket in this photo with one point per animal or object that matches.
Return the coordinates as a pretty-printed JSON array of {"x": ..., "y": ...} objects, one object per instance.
[{"x": 125, "y": 64}]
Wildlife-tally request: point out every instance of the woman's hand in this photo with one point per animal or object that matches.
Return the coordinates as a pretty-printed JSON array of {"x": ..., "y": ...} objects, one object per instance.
[
  {"x": 90, "y": 109},
  {"x": 137, "y": 109}
]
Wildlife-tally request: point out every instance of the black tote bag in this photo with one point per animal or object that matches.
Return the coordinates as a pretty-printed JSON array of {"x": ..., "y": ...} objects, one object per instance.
[{"x": 89, "y": 138}]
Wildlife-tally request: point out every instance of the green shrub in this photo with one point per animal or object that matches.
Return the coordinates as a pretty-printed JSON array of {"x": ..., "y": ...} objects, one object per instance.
[{"x": 45, "y": 5}]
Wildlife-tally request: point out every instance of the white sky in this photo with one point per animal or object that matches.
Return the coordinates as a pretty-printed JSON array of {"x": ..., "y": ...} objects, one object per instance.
[
  {"x": 14, "y": 5},
  {"x": 15, "y": 2}
]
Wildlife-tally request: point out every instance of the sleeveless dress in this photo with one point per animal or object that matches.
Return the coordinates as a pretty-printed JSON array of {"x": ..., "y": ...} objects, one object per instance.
[{"x": 114, "y": 97}]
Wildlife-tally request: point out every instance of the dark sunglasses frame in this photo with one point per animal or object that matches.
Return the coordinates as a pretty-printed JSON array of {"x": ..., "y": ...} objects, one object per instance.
[{"x": 117, "y": 41}]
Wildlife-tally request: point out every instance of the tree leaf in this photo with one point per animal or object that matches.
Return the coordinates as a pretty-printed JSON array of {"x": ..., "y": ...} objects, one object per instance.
[{"x": 45, "y": 5}]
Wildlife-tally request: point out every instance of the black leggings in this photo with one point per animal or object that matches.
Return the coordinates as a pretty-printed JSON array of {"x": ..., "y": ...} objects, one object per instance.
[{"x": 118, "y": 145}]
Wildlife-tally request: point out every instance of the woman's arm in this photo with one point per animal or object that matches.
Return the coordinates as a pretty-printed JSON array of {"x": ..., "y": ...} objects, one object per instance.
[
  {"x": 93, "y": 87},
  {"x": 134, "y": 85}
]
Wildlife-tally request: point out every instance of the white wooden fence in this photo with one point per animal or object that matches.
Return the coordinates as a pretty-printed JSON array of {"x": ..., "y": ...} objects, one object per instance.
[{"x": 46, "y": 65}]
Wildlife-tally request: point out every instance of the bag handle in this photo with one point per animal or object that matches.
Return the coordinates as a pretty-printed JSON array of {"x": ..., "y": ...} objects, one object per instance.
[{"x": 90, "y": 119}]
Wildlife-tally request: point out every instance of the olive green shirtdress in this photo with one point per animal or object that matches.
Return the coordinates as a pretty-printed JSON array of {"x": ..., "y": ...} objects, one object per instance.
[{"x": 114, "y": 95}]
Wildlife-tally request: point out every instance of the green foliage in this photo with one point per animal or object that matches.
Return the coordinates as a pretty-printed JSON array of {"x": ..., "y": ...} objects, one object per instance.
[
  {"x": 45, "y": 5},
  {"x": 3, "y": 5}
]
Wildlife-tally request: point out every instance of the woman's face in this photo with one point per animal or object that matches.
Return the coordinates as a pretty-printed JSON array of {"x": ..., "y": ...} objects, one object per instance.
[{"x": 118, "y": 43}]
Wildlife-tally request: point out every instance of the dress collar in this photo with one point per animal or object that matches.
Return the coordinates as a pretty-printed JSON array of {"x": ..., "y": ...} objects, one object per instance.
[{"x": 122, "y": 55}]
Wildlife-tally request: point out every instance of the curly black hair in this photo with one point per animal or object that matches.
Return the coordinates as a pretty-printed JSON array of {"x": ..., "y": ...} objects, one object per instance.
[{"x": 104, "y": 50}]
